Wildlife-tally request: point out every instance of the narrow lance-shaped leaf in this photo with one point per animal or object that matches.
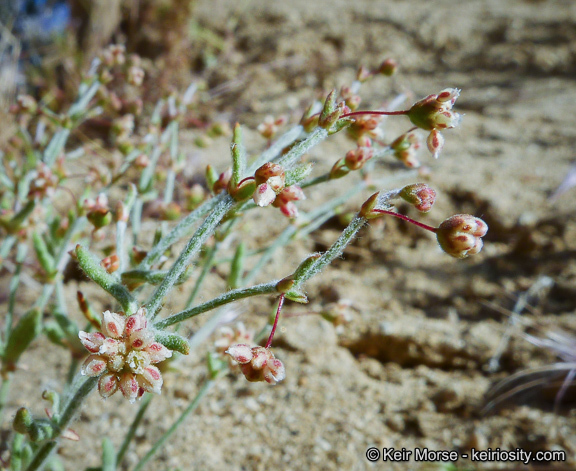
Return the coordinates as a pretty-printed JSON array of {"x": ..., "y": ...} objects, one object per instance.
[
  {"x": 91, "y": 266},
  {"x": 27, "y": 329}
]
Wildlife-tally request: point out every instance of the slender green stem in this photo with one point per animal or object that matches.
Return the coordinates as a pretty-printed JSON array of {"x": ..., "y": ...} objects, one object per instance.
[
  {"x": 4, "y": 392},
  {"x": 228, "y": 297},
  {"x": 294, "y": 154},
  {"x": 69, "y": 411},
  {"x": 136, "y": 219},
  {"x": 333, "y": 252},
  {"x": 200, "y": 236},
  {"x": 132, "y": 430},
  {"x": 203, "y": 391},
  {"x": 208, "y": 264},
  {"x": 179, "y": 231},
  {"x": 276, "y": 148}
]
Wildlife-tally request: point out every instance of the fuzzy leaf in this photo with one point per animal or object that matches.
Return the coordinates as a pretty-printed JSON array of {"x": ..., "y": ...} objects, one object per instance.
[
  {"x": 173, "y": 342},
  {"x": 27, "y": 329}
]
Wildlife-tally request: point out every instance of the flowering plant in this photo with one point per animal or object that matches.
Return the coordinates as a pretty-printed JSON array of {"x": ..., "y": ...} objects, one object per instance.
[{"x": 128, "y": 344}]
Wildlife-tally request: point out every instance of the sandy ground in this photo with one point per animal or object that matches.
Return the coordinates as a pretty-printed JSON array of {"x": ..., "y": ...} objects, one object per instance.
[{"x": 410, "y": 370}]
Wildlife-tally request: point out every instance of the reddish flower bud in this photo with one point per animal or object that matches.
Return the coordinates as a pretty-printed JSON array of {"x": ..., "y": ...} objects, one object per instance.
[
  {"x": 420, "y": 195},
  {"x": 388, "y": 67},
  {"x": 111, "y": 263},
  {"x": 460, "y": 235}
]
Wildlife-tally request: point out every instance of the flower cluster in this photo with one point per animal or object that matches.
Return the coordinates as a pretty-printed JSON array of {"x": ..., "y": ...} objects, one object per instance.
[
  {"x": 433, "y": 114},
  {"x": 123, "y": 355},
  {"x": 405, "y": 148},
  {"x": 460, "y": 235},
  {"x": 98, "y": 211},
  {"x": 257, "y": 363},
  {"x": 43, "y": 182},
  {"x": 271, "y": 189}
]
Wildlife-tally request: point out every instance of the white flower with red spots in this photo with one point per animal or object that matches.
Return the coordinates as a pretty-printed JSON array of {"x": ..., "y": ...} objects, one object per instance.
[
  {"x": 123, "y": 355},
  {"x": 257, "y": 363}
]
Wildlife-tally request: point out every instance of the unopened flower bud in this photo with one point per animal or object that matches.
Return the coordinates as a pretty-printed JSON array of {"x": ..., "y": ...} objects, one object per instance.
[
  {"x": 151, "y": 380},
  {"x": 94, "y": 365},
  {"x": 222, "y": 183},
  {"x": 367, "y": 209},
  {"x": 92, "y": 341},
  {"x": 107, "y": 385},
  {"x": 243, "y": 191},
  {"x": 129, "y": 386},
  {"x": 363, "y": 74},
  {"x": 267, "y": 171},
  {"x": 170, "y": 211},
  {"x": 420, "y": 195},
  {"x": 355, "y": 159},
  {"x": 136, "y": 321},
  {"x": 388, "y": 67},
  {"x": 460, "y": 235},
  {"x": 142, "y": 161},
  {"x": 339, "y": 170}
]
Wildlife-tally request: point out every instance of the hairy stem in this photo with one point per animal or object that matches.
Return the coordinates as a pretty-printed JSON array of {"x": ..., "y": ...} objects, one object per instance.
[
  {"x": 179, "y": 231},
  {"x": 228, "y": 297},
  {"x": 84, "y": 389},
  {"x": 204, "y": 231}
]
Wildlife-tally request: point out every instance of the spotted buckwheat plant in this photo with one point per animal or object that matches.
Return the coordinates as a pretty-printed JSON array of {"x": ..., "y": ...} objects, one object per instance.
[{"x": 145, "y": 181}]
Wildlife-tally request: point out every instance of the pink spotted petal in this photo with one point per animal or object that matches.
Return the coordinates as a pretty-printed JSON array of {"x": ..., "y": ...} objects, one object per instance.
[
  {"x": 260, "y": 357},
  {"x": 107, "y": 385},
  {"x": 113, "y": 324},
  {"x": 129, "y": 386},
  {"x": 151, "y": 380},
  {"x": 136, "y": 322},
  {"x": 240, "y": 352},
  {"x": 140, "y": 339},
  {"x": 91, "y": 341},
  {"x": 157, "y": 352},
  {"x": 274, "y": 371},
  {"x": 94, "y": 365}
]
